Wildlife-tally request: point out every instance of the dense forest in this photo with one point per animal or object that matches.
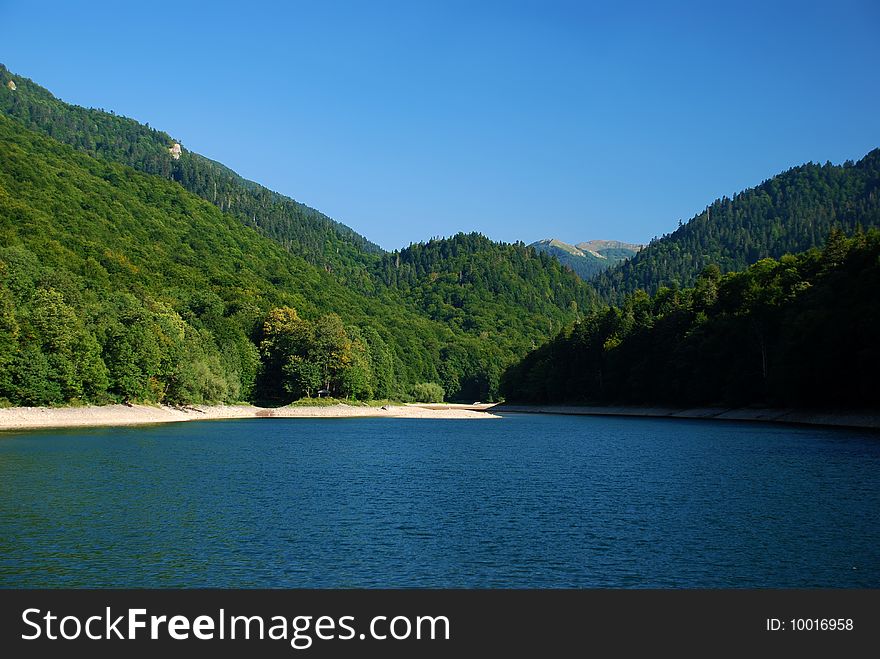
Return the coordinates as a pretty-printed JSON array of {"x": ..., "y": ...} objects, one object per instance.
[
  {"x": 476, "y": 285},
  {"x": 800, "y": 330},
  {"x": 787, "y": 214},
  {"x": 127, "y": 274},
  {"x": 298, "y": 228},
  {"x": 116, "y": 285},
  {"x": 120, "y": 286},
  {"x": 333, "y": 270},
  {"x": 505, "y": 298}
]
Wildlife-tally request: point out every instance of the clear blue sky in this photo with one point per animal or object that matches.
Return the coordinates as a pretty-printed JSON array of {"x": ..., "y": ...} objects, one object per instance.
[{"x": 522, "y": 120}]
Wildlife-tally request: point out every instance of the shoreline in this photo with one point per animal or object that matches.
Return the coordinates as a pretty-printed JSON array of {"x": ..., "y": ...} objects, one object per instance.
[
  {"x": 44, "y": 418},
  {"x": 37, "y": 418},
  {"x": 867, "y": 419}
]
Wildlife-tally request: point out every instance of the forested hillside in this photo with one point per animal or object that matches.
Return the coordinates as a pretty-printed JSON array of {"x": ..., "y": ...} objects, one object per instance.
[
  {"x": 118, "y": 285},
  {"x": 499, "y": 297},
  {"x": 298, "y": 228},
  {"x": 476, "y": 285},
  {"x": 789, "y": 213},
  {"x": 797, "y": 331},
  {"x": 129, "y": 274}
]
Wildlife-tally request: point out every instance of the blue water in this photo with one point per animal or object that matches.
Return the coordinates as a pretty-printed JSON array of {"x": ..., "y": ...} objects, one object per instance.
[{"x": 525, "y": 501}]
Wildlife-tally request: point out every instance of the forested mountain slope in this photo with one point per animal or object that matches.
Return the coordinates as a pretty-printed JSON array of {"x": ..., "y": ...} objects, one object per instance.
[
  {"x": 499, "y": 294},
  {"x": 298, "y": 228},
  {"x": 799, "y": 331},
  {"x": 119, "y": 285},
  {"x": 788, "y": 213},
  {"x": 165, "y": 297},
  {"x": 520, "y": 311}
]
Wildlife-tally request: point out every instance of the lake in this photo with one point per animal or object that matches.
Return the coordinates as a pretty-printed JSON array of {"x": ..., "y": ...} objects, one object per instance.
[{"x": 524, "y": 501}]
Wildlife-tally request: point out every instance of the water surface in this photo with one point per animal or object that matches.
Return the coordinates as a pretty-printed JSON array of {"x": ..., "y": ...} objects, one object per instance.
[{"x": 525, "y": 501}]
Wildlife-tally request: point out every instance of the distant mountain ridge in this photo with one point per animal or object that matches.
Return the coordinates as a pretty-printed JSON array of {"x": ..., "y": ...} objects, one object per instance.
[
  {"x": 587, "y": 259},
  {"x": 599, "y": 246}
]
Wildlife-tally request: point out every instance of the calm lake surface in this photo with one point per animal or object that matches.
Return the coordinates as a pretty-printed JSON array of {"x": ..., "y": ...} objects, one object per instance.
[{"x": 525, "y": 501}]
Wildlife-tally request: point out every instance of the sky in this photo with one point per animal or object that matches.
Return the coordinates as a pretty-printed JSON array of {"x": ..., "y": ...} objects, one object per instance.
[{"x": 520, "y": 120}]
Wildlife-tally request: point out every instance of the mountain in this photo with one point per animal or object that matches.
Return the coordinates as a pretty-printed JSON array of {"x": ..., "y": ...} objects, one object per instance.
[
  {"x": 117, "y": 285},
  {"x": 506, "y": 295},
  {"x": 587, "y": 259},
  {"x": 800, "y": 331},
  {"x": 789, "y": 213},
  {"x": 112, "y": 233},
  {"x": 297, "y": 227}
]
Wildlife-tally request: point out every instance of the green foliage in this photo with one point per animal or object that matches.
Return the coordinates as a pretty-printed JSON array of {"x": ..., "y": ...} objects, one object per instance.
[
  {"x": 797, "y": 331},
  {"x": 480, "y": 286},
  {"x": 8, "y": 332},
  {"x": 311, "y": 356},
  {"x": 301, "y": 378},
  {"x": 80, "y": 223},
  {"x": 789, "y": 213},
  {"x": 298, "y": 228},
  {"x": 427, "y": 392},
  {"x": 326, "y": 401},
  {"x": 331, "y": 350},
  {"x": 33, "y": 381},
  {"x": 357, "y": 379},
  {"x": 117, "y": 285},
  {"x": 72, "y": 364},
  {"x": 501, "y": 299}
]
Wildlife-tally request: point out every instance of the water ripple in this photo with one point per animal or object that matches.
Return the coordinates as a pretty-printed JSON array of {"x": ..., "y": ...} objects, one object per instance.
[{"x": 528, "y": 501}]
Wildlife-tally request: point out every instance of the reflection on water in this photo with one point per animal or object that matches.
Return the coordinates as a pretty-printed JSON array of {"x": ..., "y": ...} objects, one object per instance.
[{"x": 528, "y": 501}]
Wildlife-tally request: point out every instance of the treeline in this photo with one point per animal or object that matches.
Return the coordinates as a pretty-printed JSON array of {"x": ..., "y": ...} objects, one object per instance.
[
  {"x": 325, "y": 357},
  {"x": 787, "y": 214},
  {"x": 798, "y": 331},
  {"x": 130, "y": 350}
]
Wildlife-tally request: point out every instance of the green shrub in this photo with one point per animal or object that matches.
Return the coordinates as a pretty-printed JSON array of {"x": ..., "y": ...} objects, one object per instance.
[{"x": 427, "y": 392}]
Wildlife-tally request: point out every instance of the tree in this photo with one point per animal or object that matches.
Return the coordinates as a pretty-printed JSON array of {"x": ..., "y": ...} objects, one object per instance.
[
  {"x": 8, "y": 336},
  {"x": 73, "y": 355},
  {"x": 356, "y": 378},
  {"x": 301, "y": 377},
  {"x": 284, "y": 335},
  {"x": 381, "y": 364},
  {"x": 330, "y": 350}
]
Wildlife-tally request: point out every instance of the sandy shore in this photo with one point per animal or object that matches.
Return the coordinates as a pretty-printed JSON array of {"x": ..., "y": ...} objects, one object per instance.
[
  {"x": 29, "y": 418},
  {"x": 851, "y": 418}
]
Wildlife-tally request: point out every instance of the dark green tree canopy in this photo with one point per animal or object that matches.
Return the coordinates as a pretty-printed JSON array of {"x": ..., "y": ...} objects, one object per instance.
[{"x": 800, "y": 330}]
